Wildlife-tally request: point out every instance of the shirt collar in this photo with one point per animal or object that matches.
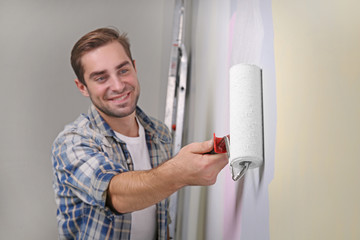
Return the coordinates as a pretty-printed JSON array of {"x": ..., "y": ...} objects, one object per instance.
[{"x": 99, "y": 122}]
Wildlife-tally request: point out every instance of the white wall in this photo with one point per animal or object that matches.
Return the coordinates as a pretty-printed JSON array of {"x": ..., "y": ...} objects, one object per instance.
[
  {"x": 229, "y": 210},
  {"x": 315, "y": 193},
  {"x": 38, "y": 96}
]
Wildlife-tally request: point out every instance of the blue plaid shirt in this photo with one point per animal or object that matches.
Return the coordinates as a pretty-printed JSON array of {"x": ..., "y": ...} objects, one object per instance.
[{"x": 85, "y": 156}]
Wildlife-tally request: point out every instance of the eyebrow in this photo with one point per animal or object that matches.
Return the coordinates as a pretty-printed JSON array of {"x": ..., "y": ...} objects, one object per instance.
[
  {"x": 97, "y": 73},
  {"x": 94, "y": 74},
  {"x": 122, "y": 64}
]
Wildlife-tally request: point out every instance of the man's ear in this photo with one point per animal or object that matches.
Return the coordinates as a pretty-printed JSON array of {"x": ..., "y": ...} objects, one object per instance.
[
  {"x": 134, "y": 64},
  {"x": 82, "y": 88}
]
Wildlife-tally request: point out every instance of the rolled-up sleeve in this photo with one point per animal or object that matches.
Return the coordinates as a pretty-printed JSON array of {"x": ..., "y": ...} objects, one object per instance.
[{"x": 82, "y": 168}]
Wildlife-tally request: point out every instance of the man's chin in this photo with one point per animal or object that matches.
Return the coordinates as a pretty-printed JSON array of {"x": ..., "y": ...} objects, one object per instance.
[{"x": 118, "y": 113}]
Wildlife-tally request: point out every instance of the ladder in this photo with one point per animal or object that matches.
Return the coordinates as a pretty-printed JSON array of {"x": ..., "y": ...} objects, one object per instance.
[
  {"x": 175, "y": 106},
  {"x": 177, "y": 77}
]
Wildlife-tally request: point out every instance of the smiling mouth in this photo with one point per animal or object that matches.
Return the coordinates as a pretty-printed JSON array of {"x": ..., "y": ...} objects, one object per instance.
[{"x": 120, "y": 98}]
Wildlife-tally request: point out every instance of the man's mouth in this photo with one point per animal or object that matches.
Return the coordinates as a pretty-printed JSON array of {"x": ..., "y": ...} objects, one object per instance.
[{"x": 119, "y": 98}]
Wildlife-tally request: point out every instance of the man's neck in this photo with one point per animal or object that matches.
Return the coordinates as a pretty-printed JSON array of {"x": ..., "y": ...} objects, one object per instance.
[{"x": 126, "y": 125}]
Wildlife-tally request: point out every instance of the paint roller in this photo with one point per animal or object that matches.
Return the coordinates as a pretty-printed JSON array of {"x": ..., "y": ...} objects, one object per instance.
[{"x": 245, "y": 143}]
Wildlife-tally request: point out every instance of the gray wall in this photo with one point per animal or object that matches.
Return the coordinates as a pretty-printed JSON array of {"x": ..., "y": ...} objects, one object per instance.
[{"x": 38, "y": 96}]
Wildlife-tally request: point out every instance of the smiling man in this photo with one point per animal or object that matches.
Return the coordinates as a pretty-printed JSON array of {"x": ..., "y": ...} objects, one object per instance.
[{"x": 113, "y": 167}]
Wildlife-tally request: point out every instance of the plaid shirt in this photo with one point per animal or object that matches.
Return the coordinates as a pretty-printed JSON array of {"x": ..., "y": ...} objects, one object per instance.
[{"x": 85, "y": 156}]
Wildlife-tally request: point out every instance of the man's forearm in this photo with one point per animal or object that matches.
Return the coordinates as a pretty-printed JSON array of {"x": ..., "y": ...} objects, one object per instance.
[{"x": 136, "y": 190}]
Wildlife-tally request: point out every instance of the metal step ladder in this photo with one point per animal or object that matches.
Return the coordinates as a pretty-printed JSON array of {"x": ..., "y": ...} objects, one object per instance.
[
  {"x": 177, "y": 77},
  {"x": 175, "y": 106}
]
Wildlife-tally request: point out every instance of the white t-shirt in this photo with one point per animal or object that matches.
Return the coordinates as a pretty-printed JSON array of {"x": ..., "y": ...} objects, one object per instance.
[{"x": 143, "y": 224}]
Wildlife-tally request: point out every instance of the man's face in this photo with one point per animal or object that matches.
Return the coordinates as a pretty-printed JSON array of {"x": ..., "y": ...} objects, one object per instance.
[{"x": 111, "y": 80}]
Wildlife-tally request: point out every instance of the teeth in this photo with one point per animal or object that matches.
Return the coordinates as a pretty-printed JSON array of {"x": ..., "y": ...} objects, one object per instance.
[{"x": 120, "y": 98}]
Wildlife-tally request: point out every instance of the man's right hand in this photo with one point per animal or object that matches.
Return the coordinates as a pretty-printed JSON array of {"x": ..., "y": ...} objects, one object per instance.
[{"x": 193, "y": 166}]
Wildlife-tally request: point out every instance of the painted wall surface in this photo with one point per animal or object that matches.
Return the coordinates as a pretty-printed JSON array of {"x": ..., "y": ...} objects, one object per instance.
[
  {"x": 315, "y": 192},
  {"x": 38, "y": 95},
  {"x": 229, "y": 210}
]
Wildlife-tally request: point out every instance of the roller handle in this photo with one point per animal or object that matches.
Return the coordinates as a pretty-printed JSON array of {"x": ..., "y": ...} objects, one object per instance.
[{"x": 222, "y": 145}]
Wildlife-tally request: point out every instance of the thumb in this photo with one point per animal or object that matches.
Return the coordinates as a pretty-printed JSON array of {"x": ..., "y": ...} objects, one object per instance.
[{"x": 203, "y": 147}]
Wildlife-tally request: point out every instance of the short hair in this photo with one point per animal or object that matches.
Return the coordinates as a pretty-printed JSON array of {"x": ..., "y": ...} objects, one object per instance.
[{"x": 93, "y": 40}]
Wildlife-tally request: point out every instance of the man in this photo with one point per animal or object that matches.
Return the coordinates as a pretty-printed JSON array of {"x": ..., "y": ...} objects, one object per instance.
[{"x": 113, "y": 170}]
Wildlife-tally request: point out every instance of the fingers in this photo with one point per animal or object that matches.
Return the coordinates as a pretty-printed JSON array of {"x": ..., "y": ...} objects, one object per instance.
[
  {"x": 219, "y": 160},
  {"x": 212, "y": 165}
]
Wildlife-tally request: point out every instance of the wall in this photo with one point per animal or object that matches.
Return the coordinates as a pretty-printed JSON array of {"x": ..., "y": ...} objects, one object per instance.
[
  {"x": 315, "y": 192},
  {"x": 38, "y": 96},
  {"x": 229, "y": 210}
]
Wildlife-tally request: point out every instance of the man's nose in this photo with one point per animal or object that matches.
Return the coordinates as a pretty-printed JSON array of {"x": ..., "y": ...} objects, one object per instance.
[{"x": 116, "y": 84}]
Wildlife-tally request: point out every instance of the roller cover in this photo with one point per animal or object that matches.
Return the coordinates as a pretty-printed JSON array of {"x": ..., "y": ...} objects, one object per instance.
[{"x": 246, "y": 116}]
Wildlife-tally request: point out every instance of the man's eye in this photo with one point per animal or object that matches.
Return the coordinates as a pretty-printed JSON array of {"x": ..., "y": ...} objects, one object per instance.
[
  {"x": 123, "y": 71},
  {"x": 100, "y": 79}
]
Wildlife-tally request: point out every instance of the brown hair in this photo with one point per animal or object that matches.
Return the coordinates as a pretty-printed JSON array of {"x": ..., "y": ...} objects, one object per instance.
[{"x": 93, "y": 40}]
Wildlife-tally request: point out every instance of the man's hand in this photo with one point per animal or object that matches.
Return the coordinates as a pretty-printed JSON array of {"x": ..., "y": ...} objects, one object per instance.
[{"x": 193, "y": 166}]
